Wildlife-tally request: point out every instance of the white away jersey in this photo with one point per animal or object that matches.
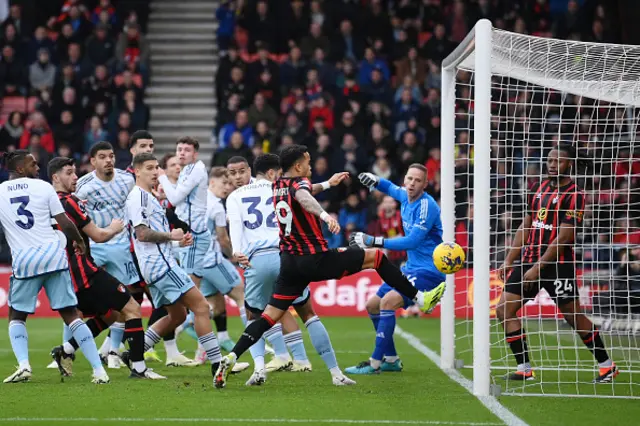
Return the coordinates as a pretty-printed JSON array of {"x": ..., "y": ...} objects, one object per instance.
[
  {"x": 216, "y": 216},
  {"x": 105, "y": 201},
  {"x": 155, "y": 259},
  {"x": 252, "y": 218},
  {"x": 189, "y": 196},
  {"x": 26, "y": 208}
]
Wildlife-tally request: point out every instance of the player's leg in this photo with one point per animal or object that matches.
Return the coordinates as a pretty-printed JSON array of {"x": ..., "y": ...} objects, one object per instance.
[
  {"x": 226, "y": 280},
  {"x": 292, "y": 336},
  {"x": 591, "y": 338},
  {"x": 18, "y": 333},
  {"x": 511, "y": 300},
  {"x": 320, "y": 340},
  {"x": 373, "y": 309}
]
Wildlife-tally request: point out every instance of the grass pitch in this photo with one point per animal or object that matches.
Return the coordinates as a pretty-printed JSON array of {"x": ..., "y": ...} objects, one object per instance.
[{"x": 421, "y": 395}]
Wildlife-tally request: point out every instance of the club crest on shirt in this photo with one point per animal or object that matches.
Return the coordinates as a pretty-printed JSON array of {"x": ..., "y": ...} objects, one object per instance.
[
  {"x": 542, "y": 213},
  {"x": 121, "y": 288},
  {"x": 342, "y": 249}
]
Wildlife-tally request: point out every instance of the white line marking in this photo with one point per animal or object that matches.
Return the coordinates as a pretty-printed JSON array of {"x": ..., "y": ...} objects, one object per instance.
[
  {"x": 215, "y": 420},
  {"x": 490, "y": 402}
]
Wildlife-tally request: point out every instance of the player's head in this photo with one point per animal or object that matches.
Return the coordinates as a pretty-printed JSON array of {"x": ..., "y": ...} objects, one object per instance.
[
  {"x": 295, "y": 161},
  {"x": 171, "y": 166},
  {"x": 140, "y": 141},
  {"x": 187, "y": 150},
  {"x": 146, "y": 169},
  {"x": 102, "y": 158},
  {"x": 239, "y": 171},
  {"x": 219, "y": 182},
  {"x": 62, "y": 174},
  {"x": 268, "y": 166},
  {"x": 21, "y": 164},
  {"x": 415, "y": 181},
  {"x": 564, "y": 159}
]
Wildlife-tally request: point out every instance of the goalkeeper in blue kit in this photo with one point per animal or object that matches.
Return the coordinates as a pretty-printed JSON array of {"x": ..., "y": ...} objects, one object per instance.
[{"x": 423, "y": 232}]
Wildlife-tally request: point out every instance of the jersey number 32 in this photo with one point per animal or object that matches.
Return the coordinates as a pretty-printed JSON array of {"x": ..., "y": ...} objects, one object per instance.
[{"x": 252, "y": 209}]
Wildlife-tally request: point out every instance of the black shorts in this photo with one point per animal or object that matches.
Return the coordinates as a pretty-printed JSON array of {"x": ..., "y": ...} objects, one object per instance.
[
  {"x": 559, "y": 280},
  {"x": 296, "y": 272},
  {"x": 104, "y": 293}
]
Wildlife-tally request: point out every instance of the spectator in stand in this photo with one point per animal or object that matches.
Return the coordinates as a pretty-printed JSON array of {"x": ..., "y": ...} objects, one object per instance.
[
  {"x": 321, "y": 112},
  {"x": 262, "y": 29},
  {"x": 293, "y": 70},
  {"x": 403, "y": 111},
  {"x": 122, "y": 152},
  {"x": 326, "y": 71},
  {"x": 63, "y": 41},
  {"x": 223, "y": 76},
  {"x": 350, "y": 157},
  {"x": 11, "y": 132},
  {"x": 439, "y": 46},
  {"x": 40, "y": 41},
  {"x": 412, "y": 66},
  {"x": 236, "y": 86},
  {"x": 69, "y": 131},
  {"x": 378, "y": 90},
  {"x": 79, "y": 24},
  {"x": 388, "y": 224},
  {"x": 42, "y": 73},
  {"x": 71, "y": 102},
  {"x": 11, "y": 38},
  {"x": 347, "y": 44},
  {"x": 226, "y": 16},
  {"x": 320, "y": 173},
  {"x": 240, "y": 125},
  {"x": 81, "y": 67},
  {"x": 136, "y": 109},
  {"x": 382, "y": 168},
  {"x": 40, "y": 154},
  {"x": 105, "y": 6},
  {"x": 22, "y": 26},
  {"x": 38, "y": 126},
  {"x": 132, "y": 50},
  {"x": 66, "y": 79},
  {"x": 12, "y": 74},
  {"x": 293, "y": 128},
  {"x": 236, "y": 147},
  {"x": 95, "y": 134},
  {"x": 315, "y": 40},
  {"x": 370, "y": 63},
  {"x": 352, "y": 216},
  {"x": 99, "y": 88},
  {"x": 261, "y": 64},
  {"x": 100, "y": 47},
  {"x": 119, "y": 121},
  {"x": 261, "y": 111},
  {"x": 410, "y": 151}
]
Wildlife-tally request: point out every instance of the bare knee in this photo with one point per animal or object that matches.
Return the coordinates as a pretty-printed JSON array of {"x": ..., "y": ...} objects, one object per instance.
[
  {"x": 391, "y": 301},
  {"x": 237, "y": 294},
  {"x": 131, "y": 310},
  {"x": 373, "y": 305},
  {"x": 305, "y": 312},
  {"x": 372, "y": 258}
]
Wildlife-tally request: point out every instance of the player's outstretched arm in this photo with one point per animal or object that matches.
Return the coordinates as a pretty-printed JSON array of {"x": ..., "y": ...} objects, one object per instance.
[
  {"x": 177, "y": 194},
  {"x": 311, "y": 205},
  {"x": 372, "y": 181},
  {"x": 101, "y": 235},
  {"x": 147, "y": 235},
  {"x": 70, "y": 231},
  {"x": 335, "y": 180}
]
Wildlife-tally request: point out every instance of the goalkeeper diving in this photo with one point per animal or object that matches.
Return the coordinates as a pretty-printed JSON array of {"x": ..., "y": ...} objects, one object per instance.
[{"x": 423, "y": 229}]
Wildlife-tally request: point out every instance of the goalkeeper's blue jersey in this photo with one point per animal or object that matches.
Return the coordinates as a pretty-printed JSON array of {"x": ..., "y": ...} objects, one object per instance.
[{"x": 422, "y": 227}]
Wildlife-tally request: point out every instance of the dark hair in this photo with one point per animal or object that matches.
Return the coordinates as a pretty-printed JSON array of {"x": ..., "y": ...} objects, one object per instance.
[
  {"x": 265, "y": 162},
  {"x": 142, "y": 158},
  {"x": 57, "y": 164},
  {"x": 100, "y": 146},
  {"x": 189, "y": 141},
  {"x": 237, "y": 159},
  {"x": 137, "y": 135},
  {"x": 418, "y": 166},
  {"x": 290, "y": 155},
  {"x": 582, "y": 160},
  {"x": 217, "y": 172},
  {"x": 11, "y": 160},
  {"x": 166, "y": 158}
]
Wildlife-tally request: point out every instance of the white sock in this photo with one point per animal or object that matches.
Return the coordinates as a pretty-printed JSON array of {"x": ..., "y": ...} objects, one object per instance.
[
  {"x": 375, "y": 363},
  {"x": 335, "y": 372},
  {"x": 210, "y": 345},
  {"x": 106, "y": 345},
  {"x": 171, "y": 348},
  {"x": 526, "y": 367},
  {"x": 391, "y": 359},
  {"x": 139, "y": 366},
  {"x": 67, "y": 348},
  {"x": 223, "y": 335},
  {"x": 419, "y": 299},
  {"x": 99, "y": 371},
  {"x": 258, "y": 363},
  {"x": 24, "y": 364},
  {"x": 607, "y": 364},
  {"x": 243, "y": 315}
]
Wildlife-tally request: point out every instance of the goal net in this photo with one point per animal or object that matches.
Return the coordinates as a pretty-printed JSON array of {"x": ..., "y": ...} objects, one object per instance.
[{"x": 508, "y": 99}]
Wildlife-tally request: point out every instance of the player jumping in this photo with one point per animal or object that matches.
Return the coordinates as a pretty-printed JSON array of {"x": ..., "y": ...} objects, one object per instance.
[
  {"x": 423, "y": 229},
  {"x": 168, "y": 283},
  {"x": 98, "y": 292},
  {"x": 305, "y": 257},
  {"x": 39, "y": 260},
  {"x": 555, "y": 209}
]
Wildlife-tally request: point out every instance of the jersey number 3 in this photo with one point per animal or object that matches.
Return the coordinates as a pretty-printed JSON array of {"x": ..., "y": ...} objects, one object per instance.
[
  {"x": 253, "y": 203},
  {"x": 22, "y": 211}
]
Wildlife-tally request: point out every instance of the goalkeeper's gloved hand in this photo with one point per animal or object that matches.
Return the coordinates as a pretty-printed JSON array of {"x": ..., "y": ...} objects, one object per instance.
[
  {"x": 362, "y": 240},
  {"x": 369, "y": 180}
]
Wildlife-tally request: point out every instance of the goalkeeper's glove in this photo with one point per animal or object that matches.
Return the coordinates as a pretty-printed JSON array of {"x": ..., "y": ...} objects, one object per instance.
[
  {"x": 369, "y": 180},
  {"x": 362, "y": 240}
]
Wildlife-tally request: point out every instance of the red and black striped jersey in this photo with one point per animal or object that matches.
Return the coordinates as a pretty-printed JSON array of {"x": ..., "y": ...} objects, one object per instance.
[
  {"x": 550, "y": 207},
  {"x": 300, "y": 231},
  {"x": 81, "y": 267}
]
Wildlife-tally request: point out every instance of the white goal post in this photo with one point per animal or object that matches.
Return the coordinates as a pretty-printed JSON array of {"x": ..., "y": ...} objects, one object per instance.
[{"x": 506, "y": 99}]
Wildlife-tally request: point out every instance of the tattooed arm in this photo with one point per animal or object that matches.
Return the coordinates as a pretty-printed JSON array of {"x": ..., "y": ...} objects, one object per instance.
[{"x": 146, "y": 235}]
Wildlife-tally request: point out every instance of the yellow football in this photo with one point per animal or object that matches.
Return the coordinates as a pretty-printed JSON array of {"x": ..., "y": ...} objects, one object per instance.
[{"x": 448, "y": 257}]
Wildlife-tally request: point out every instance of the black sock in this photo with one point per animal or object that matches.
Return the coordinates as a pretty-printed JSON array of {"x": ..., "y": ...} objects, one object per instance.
[
  {"x": 251, "y": 335},
  {"x": 517, "y": 341},
  {"x": 221, "y": 321},
  {"x": 134, "y": 335},
  {"x": 594, "y": 343},
  {"x": 392, "y": 276},
  {"x": 169, "y": 336},
  {"x": 138, "y": 297},
  {"x": 156, "y": 314}
]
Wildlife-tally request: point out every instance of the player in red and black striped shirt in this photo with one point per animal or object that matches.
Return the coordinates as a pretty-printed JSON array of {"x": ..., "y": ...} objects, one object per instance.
[
  {"x": 542, "y": 256},
  {"x": 305, "y": 257},
  {"x": 99, "y": 294}
]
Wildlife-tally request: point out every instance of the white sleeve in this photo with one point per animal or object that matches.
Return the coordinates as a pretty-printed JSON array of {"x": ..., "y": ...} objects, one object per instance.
[
  {"x": 55, "y": 206},
  {"x": 235, "y": 224},
  {"x": 81, "y": 188},
  {"x": 177, "y": 194},
  {"x": 219, "y": 216},
  {"x": 137, "y": 208}
]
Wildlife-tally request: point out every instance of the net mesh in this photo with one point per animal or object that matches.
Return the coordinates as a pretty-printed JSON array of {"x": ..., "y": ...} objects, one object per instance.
[{"x": 543, "y": 92}]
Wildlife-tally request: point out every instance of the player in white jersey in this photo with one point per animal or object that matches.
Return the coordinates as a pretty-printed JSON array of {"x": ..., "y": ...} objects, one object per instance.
[
  {"x": 189, "y": 197},
  {"x": 39, "y": 260},
  {"x": 169, "y": 284},
  {"x": 105, "y": 192}
]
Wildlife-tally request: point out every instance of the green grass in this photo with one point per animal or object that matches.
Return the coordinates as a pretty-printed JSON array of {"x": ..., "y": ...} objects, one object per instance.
[{"x": 421, "y": 393}]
